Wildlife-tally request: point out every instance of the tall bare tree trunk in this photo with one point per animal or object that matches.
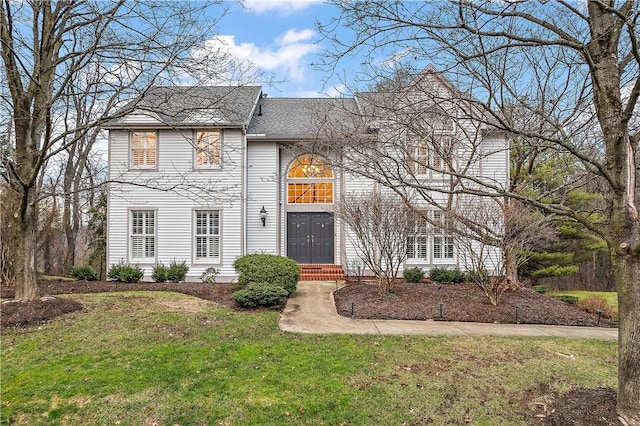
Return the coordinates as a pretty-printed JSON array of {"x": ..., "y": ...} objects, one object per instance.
[
  {"x": 627, "y": 271},
  {"x": 27, "y": 282}
]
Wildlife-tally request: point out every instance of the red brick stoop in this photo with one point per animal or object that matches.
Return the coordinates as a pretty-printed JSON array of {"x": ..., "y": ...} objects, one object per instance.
[{"x": 317, "y": 272}]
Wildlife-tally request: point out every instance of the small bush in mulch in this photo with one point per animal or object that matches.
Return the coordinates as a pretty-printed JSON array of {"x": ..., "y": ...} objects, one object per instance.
[
  {"x": 413, "y": 275},
  {"x": 444, "y": 275},
  {"x": 84, "y": 272},
  {"x": 125, "y": 272}
]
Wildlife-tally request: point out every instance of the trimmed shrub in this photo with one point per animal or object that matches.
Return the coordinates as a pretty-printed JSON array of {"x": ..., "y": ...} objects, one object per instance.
[
  {"x": 539, "y": 289},
  {"x": 177, "y": 271},
  {"x": 209, "y": 275},
  {"x": 125, "y": 272},
  {"x": 160, "y": 273},
  {"x": 114, "y": 271},
  {"x": 260, "y": 294},
  {"x": 413, "y": 275},
  {"x": 444, "y": 275},
  {"x": 268, "y": 268},
  {"x": 84, "y": 272}
]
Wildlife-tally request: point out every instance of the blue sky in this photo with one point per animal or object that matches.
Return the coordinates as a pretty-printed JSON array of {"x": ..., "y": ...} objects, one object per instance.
[{"x": 280, "y": 37}]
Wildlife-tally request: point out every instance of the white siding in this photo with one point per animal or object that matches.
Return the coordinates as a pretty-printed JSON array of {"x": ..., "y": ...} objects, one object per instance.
[
  {"x": 262, "y": 190},
  {"x": 495, "y": 158},
  {"x": 174, "y": 191}
]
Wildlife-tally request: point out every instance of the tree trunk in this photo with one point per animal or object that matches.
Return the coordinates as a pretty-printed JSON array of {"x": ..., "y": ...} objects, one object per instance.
[
  {"x": 511, "y": 269},
  {"x": 627, "y": 273},
  {"x": 27, "y": 283}
]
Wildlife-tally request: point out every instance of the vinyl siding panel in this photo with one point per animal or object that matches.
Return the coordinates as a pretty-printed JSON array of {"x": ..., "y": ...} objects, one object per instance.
[
  {"x": 262, "y": 190},
  {"x": 495, "y": 159}
]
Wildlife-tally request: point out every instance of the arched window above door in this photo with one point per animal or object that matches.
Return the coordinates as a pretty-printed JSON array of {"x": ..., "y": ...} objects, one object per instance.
[{"x": 309, "y": 181}]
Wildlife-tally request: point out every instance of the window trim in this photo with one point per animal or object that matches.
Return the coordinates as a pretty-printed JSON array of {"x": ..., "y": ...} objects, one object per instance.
[
  {"x": 133, "y": 166},
  {"x": 195, "y": 150},
  {"x": 215, "y": 261},
  {"x": 130, "y": 214}
]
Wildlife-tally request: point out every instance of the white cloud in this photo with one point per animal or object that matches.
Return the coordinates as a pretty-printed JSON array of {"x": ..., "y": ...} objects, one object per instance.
[
  {"x": 294, "y": 36},
  {"x": 285, "y": 58},
  {"x": 285, "y": 6}
]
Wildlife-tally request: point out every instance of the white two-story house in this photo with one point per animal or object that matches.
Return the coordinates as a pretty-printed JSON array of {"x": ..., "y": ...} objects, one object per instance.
[{"x": 208, "y": 174}]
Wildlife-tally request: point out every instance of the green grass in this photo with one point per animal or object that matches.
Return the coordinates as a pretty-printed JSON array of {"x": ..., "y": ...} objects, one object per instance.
[
  {"x": 609, "y": 296},
  {"x": 142, "y": 358}
]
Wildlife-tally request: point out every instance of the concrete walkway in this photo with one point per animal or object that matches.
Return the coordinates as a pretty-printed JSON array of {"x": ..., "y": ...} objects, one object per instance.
[{"x": 311, "y": 309}]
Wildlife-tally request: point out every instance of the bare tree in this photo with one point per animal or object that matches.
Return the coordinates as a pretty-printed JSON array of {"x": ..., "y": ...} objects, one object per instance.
[
  {"x": 575, "y": 69},
  {"x": 494, "y": 251},
  {"x": 59, "y": 54},
  {"x": 379, "y": 225}
]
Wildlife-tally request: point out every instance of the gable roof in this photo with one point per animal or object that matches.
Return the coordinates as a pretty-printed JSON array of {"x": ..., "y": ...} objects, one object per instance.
[
  {"x": 220, "y": 106},
  {"x": 299, "y": 118}
]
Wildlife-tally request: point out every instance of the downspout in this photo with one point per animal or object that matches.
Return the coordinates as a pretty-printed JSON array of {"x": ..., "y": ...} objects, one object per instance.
[
  {"x": 108, "y": 242},
  {"x": 279, "y": 219},
  {"x": 243, "y": 192}
]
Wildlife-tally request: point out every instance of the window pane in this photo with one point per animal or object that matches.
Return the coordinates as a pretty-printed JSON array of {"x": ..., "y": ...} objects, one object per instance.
[
  {"x": 421, "y": 247},
  {"x": 143, "y": 150},
  {"x": 137, "y": 246},
  {"x": 437, "y": 247},
  {"x": 207, "y": 238},
  {"x": 309, "y": 193},
  {"x": 208, "y": 147}
]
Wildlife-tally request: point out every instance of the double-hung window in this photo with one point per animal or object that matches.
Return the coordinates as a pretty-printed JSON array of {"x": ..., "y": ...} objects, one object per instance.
[
  {"x": 443, "y": 247},
  {"x": 143, "y": 235},
  {"x": 208, "y": 148},
  {"x": 144, "y": 149},
  {"x": 418, "y": 156},
  {"x": 441, "y": 152},
  {"x": 418, "y": 243},
  {"x": 207, "y": 235},
  {"x": 430, "y": 149}
]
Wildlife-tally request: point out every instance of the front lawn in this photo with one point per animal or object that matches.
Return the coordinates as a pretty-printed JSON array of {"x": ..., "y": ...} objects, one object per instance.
[
  {"x": 609, "y": 296},
  {"x": 148, "y": 357}
]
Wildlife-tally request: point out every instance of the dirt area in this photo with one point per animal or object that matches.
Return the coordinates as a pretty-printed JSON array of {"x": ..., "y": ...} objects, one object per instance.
[
  {"x": 593, "y": 407},
  {"x": 460, "y": 302},
  {"x": 33, "y": 313}
]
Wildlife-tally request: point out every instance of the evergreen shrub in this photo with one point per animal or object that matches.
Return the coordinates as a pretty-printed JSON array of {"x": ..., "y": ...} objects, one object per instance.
[{"x": 268, "y": 268}]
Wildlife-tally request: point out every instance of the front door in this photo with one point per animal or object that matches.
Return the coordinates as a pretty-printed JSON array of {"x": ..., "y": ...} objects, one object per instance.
[{"x": 310, "y": 237}]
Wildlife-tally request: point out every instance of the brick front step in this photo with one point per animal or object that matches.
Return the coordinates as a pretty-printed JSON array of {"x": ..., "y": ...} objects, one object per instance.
[{"x": 321, "y": 273}]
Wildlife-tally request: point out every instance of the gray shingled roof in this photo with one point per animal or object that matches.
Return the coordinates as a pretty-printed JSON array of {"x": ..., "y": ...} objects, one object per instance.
[
  {"x": 201, "y": 105},
  {"x": 299, "y": 118}
]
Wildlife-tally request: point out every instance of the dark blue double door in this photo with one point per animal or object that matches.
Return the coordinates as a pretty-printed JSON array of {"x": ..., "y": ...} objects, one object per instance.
[{"x": 310, "y": 237}]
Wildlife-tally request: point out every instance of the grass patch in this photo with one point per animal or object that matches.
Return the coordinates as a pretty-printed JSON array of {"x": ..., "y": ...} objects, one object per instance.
[
  {"x": 609, "y": 296},
  {"x": 142, "y": 357}
]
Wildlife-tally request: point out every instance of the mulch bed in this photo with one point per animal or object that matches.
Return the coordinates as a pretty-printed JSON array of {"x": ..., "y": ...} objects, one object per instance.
[
  {"x": 593, "y": 407},
  {"x": 461, "y": 302}
]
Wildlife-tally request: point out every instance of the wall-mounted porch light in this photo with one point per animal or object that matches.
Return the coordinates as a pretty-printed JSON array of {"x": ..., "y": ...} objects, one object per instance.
[{"x": 263, "y": 216}]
